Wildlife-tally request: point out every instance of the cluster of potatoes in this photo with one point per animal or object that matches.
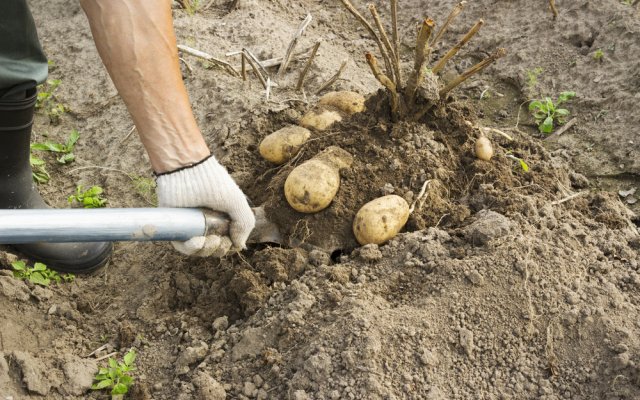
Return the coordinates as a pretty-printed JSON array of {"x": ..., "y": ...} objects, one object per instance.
[{"x": 312, "y": 185}]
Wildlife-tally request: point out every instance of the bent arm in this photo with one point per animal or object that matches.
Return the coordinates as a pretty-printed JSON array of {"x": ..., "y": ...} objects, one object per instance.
[{"x": 136, "y": 42}]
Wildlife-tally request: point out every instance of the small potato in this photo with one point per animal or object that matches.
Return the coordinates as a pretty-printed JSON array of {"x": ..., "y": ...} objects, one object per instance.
[
  {"x": 347, "y": 102},
  {"x": 381, "y": 219},
  {"x": 280, "y": 146},
  {"x": 312, "y": 185},
  {"x": 320, "y": 119},
  {"x": 484, "y": 149}
]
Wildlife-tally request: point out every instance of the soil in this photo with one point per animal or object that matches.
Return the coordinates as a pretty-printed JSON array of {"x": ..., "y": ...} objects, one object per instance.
[{"x": 504, "y": 284}]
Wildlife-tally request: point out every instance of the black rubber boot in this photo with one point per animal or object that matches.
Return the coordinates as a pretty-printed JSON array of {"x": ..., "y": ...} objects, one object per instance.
[{"x": 17, "y": 190}]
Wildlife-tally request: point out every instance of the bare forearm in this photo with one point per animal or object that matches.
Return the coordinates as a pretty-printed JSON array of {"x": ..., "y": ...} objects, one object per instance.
[{"x": 137, "y": 44}]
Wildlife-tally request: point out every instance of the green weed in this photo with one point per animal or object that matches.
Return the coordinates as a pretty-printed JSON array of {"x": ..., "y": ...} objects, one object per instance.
[
  {"x": 547, "y": 113},
  {"x": 532, "y": 80},
  {"x": 598, "y": 55},
  {"x": 190, "y": 6},
  {"x": 145, "y": 188},
  {"x": 38, "y": 170},
  {"x": 65, "y": 150},
  {"x": 47, "y": 101},
  {"x": 116, "y": 376},
  {"x": 39, "y": 274},
  {"x": 90, "y": 198},
  {"x": 523, "y": 164}
]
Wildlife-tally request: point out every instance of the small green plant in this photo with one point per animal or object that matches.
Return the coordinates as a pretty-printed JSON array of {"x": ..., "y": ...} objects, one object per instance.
[
  {"x": 532, "y": 79},
  {"x": 190, "y": 6},
  {"x": 145, "y": 188},
  {"x": 547, "y": 113},
  {"x": 64, "y": 150},
  {"x": 116, "y": 377},
  {"x": 90, "y": 198},
  {"x": 47, "y": 101},
  {"x": 598, "y": 55},
  {"x": 38, "y": 170},
  {"x": 522, "y": 163},
  {"x": 39, "y": 274}
]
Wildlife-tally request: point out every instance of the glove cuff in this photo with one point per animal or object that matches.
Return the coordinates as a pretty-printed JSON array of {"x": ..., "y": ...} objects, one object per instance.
[
  {"x": 199, "y": 185},
  {"x": 185, "y": 167}
]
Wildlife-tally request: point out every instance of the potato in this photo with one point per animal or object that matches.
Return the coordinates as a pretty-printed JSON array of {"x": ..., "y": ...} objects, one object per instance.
[
  {"x": 320, "y": 119},
  {"x": 484, "y": 149},
  {"x": 347, "y": 102},
  {"x": 312, "y": 185},
  {"x": 280, "y": 146},
  {"x": 381, "y": 219}
]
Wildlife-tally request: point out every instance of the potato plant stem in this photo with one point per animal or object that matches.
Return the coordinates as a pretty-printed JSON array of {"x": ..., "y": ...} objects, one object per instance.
[
  {"x": 455, "y": 49},
  {"x": 292, "y": 45},
  {"x": 394, "y": 32},
  {"x": 387, "y": 44},
  {"x": 252, "y": 62},
  {"x": 554, "y": 10},
  {"x": 422, "y": 43},
  {"x": 347, "y": 4},
  {"x": 385, "y": 81},
  {"x": 422, "y": 51},
  {"x": 307, "y": 66},
  {"x": 452, "y": 15},
  {"x": 334, "y": 78},
  {"x": 473, "y": 70}
]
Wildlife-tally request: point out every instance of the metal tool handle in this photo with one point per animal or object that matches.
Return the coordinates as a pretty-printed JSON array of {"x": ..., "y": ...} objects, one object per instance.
[{"x": 108, "y": 224}]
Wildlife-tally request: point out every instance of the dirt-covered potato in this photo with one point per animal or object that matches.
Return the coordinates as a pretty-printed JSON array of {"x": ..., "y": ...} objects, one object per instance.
[
  {"x": 280, "y": 146},
  {"x": 347, "y": 102},
  {"x": 320, "y": 119},
  {"x": 380, "y": 220},
  {"x": 312, "y": 185},
  {"x": 484, "y": 149}
]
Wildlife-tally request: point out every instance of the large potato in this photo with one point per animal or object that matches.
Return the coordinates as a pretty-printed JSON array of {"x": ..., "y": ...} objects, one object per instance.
[
  {"x": 380, "y": 220},
  {"x": 347, "y": 102},
  {"x": 320, "y": 119},
  {"x": 312, "y": 185},
  {"x": 280, "y": 146}
]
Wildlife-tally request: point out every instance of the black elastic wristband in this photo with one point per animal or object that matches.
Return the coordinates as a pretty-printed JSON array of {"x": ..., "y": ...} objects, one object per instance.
[{"x": 183, "y": 168}]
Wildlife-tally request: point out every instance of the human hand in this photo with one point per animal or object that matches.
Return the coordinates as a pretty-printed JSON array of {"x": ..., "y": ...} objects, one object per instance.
[{"x": 208, "y": 185}]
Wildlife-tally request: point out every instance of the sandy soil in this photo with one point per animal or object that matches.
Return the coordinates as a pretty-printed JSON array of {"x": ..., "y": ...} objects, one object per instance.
[{"x": 496, "y": 290}]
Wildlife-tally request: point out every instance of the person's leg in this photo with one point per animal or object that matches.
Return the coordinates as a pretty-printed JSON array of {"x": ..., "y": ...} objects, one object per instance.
[{"x": 22, "y": 67}]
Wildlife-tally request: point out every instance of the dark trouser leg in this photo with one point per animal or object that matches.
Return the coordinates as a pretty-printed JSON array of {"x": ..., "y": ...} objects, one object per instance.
[{"x": 22, "y": 66}]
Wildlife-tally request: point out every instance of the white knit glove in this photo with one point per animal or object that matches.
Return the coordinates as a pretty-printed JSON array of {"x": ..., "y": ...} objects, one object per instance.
[{"x": 208, "y": 185}]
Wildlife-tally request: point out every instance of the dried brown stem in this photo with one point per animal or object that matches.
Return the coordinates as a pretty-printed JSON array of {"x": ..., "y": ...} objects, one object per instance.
[
  {"x": 252, "y": 61},
  {"x": 455, "y": 49},
  {"x": 385, "y": 81},
  {"x": 334, "y": 78},
  {"x": 307, "y": 66},
  {"x": 422, "y": 43},
  {"x": 473, "y": 70},
  {"x": 422, "y": 51},
  {"x": 243, "y": 66},
  {"x": 208, "y": 57},
  {"x": 347, "y": 4},
  {"x": 394, "y": 32},
  {"x": 452, "y": 15},
  {"x": 554, "y": 10},
  {"x": 292, "y": 45},
  {"x": 387, "y": 44}
]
